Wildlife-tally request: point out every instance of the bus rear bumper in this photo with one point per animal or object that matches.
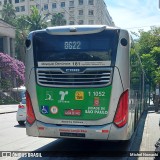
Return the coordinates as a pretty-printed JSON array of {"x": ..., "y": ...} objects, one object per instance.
[
  {"x": 40, "y": 129},
  {"x": 103, "y": 132}
]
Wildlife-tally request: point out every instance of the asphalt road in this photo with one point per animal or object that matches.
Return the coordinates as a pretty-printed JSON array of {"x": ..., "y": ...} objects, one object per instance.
[{"x": 13, "y": 138}]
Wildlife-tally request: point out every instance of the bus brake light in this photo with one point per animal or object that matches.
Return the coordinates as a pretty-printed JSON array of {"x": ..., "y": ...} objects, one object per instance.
[
  {"x": 30, "y": 113},
  {"x": 121, "y": 116}
]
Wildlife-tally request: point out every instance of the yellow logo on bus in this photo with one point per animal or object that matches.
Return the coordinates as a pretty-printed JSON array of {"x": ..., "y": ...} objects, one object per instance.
[{"x": 79, "y": 96}]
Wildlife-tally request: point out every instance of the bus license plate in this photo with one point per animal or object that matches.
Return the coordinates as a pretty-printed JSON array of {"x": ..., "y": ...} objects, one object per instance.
[
  {"x": 72, "y": 134},
  {"x": 71, "y": 112}
]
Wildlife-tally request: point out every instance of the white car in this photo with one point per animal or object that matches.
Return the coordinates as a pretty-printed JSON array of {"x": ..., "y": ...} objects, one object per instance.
[{"x": 21, "y": 113}]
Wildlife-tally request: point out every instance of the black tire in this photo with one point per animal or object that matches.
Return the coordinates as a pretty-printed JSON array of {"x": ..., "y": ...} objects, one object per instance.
[{"x": 21, "y": 123}]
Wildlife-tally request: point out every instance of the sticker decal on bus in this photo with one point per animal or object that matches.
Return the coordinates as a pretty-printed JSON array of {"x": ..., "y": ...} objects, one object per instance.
[
  {"x": 44, "y": 109},
  {"x": 96, "y": 110},
  {"x": 72, "y": 112},
  {"x": 73, "y": 130},
  {"x": 54, "y": 109},
  {"x": 63, "y": 94},
  {"x": 49, "y": 96},
  {"x": 74, "y": 104},
  {"x": 79, "y": 95},
  {"x": 72, "y": 122},
  {"x": 96, "y": 101}
]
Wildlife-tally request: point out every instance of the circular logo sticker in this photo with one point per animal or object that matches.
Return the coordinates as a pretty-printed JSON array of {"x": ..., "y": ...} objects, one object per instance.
[{"x": 54, "y": 110}]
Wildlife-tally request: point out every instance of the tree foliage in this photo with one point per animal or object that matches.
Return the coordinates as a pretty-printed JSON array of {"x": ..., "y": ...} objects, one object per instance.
[
  {"x": 148, "y": 47},
  {"x": 36, "y": 21},
  {"x": 11, "y": 69},
  {"x": 8, "y": 13},
  {"x": 21, "y": 34},
  {"x": 157, "y": 78},
  {"x": 149, "y": 65},
  {"x": 58, "y": 20},
  {"x": 155, "y": 52},
  {"x": 148, "y": 40}
]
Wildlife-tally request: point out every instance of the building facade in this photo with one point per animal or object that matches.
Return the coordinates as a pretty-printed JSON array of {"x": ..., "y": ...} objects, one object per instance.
[
  {"x": 7, "y": 38},
  {"x": 74, "y": 11}
]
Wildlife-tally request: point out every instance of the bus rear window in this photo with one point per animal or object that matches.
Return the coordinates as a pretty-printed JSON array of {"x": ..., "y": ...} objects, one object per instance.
[{"x": 89, "y": 47}]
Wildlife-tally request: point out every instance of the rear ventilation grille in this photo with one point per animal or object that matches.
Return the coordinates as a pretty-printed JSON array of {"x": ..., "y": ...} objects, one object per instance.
[{"x": 91, "y": 77}]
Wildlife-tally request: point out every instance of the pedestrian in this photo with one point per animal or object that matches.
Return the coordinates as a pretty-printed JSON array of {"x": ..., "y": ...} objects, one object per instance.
[{"x": 153, "y": 98}]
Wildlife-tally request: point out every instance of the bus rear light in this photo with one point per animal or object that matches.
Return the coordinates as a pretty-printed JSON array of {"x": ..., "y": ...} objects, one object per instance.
[
  {"x": 30, "y": 113},
  {"x": 121, "y": 116}
]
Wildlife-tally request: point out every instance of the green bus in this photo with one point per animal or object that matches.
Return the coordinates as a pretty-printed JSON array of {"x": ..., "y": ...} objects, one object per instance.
[{"x": 81, "y": 82}]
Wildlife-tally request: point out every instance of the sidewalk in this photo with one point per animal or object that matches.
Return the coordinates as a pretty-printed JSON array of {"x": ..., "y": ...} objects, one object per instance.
[{"x": 9, "y": 108}]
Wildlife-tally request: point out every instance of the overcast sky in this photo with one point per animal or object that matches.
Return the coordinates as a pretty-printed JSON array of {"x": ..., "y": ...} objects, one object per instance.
[{"x": 134, "y": 14}]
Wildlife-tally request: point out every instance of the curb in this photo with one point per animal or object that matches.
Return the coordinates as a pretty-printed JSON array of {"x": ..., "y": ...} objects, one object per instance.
[{"x": 8, "y": 112}]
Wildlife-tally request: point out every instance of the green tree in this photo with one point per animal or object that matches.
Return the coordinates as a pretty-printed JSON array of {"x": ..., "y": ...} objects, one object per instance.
[
  {"x": 157, "y": 76},
  {"x": 148, "y": 46},
  {"x": 35, "y": 20},
  {"x": 22, "y": 30},
  {"x": 8, "y": 13},
  {"x": 148, "y": 40},
  {"x": 26, "y": 24},
  {"x": 149, "y": 65},
  {"x": 155, "y": 52},
  {"x": 58, "y": 20}
]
